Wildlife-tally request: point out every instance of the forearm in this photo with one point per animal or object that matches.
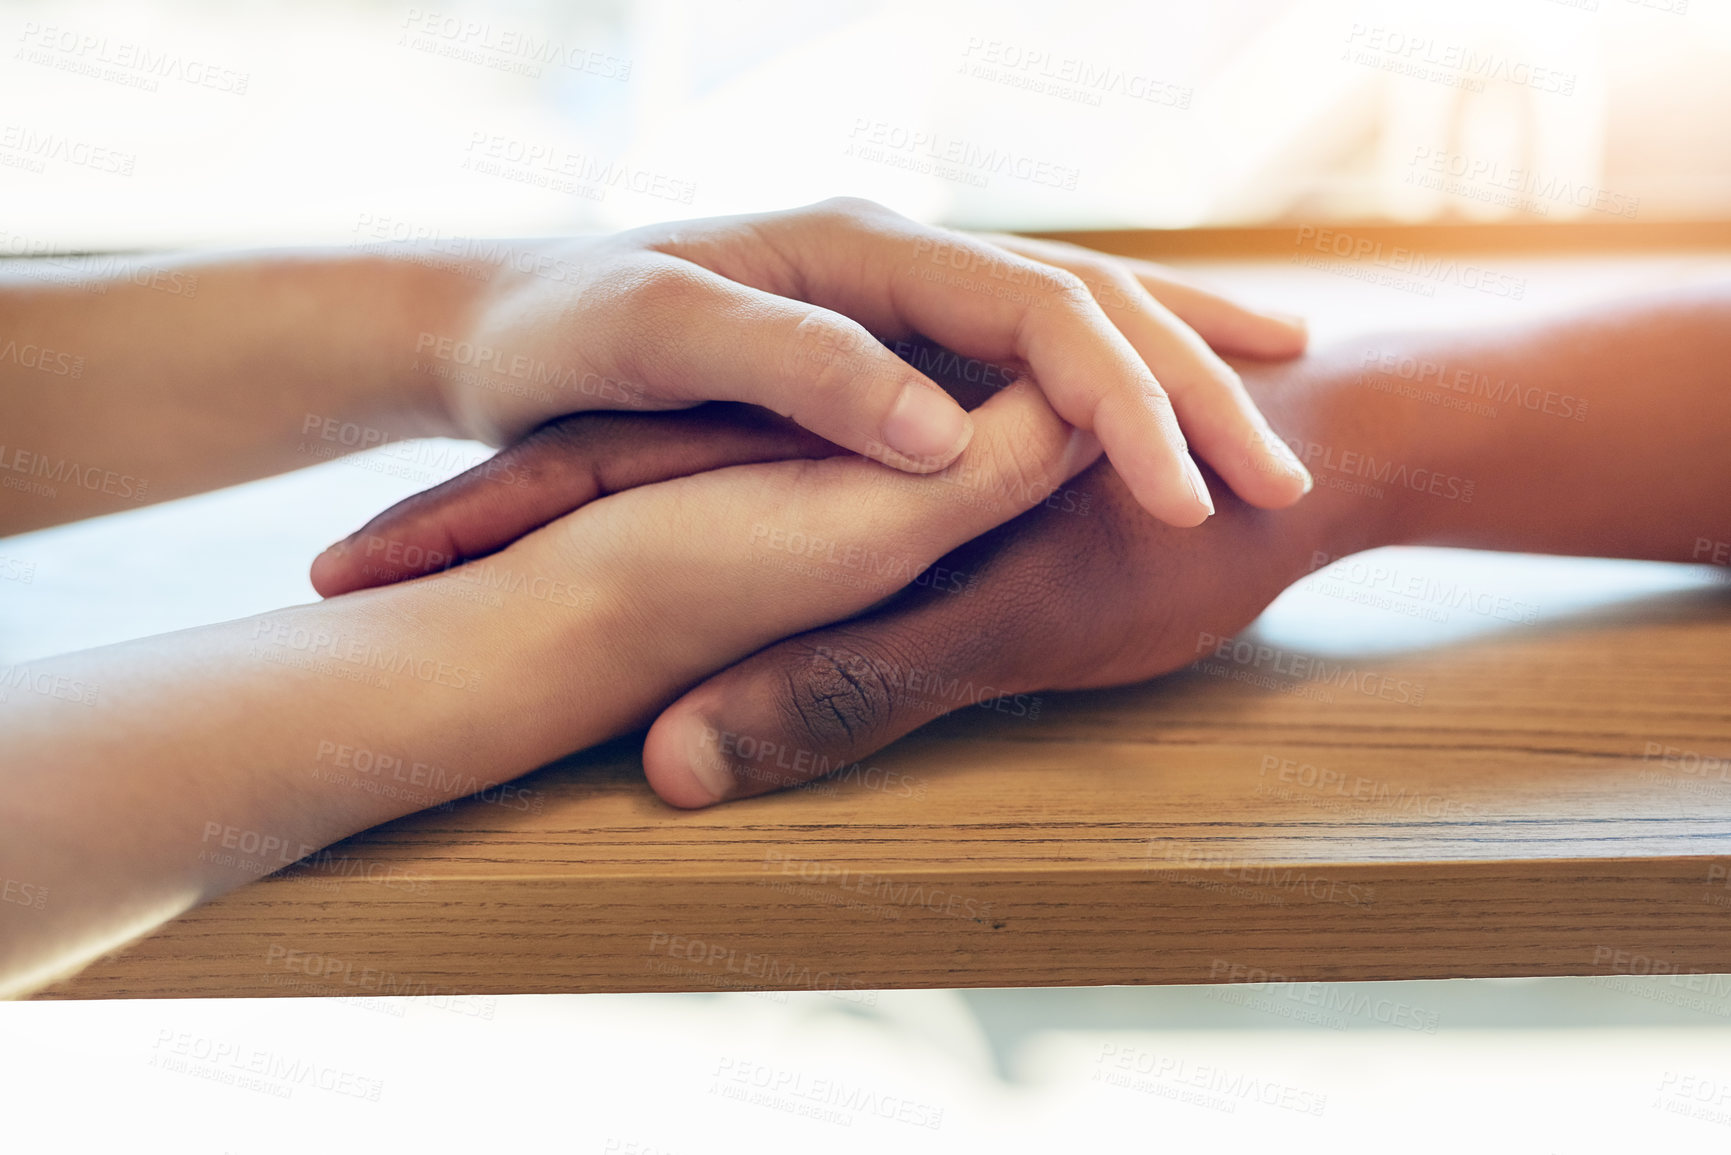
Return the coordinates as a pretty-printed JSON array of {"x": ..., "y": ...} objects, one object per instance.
[
  {"x": 1601, "y": 433},
  {"x": 126, "y": 382},
  {"x": 141, "y": 779}
]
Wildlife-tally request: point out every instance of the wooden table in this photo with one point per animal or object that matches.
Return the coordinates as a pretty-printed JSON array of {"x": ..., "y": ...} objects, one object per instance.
[{"x": 1550, "y": 794}]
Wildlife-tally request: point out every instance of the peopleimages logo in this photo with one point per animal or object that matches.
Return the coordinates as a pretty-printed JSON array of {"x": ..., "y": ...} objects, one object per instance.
[
  {"x": 1374, "y": 254},
  {"x": 1466, "y": 66},
  {"x": 1471, "y": 383},
  {"x": 35, "y": 149},
  {"x": 42, "y": 359},
  {"x": 123, "y": 62},
  {"x": 878, "y": 887},
  {"x": 1325, "y": 461},
  {"x": 1357, "y": 789},
  {"x": 522, "y": 51},
  {"x": 1296, "y": 668},
  {"x": 1066, "y": 77},
  {"x": 1519, "y": 186},
  {"x": 28, "y": 464},
  {"x": 971, "y": 161}
]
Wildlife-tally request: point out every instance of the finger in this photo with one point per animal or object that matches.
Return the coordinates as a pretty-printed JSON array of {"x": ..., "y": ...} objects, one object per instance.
[
  {"x": 566, "y": 464},
  {"x": 798, "y": 544},
  {"x": 554, "y": 470},
  {"x": 898, "y": 277},
  {"x": 826, "y": 700},
  {"x": 1224, "y": 426},
  {"x": 1229, "y": 327},
  {"x": 695, "y": 335},
  {"x": 1222, "y": 423}
]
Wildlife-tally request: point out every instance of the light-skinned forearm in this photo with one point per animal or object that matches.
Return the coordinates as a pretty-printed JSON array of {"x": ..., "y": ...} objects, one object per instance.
[
  {"x": 141, "y": 779},
  {"x": 137, "y": 381}
]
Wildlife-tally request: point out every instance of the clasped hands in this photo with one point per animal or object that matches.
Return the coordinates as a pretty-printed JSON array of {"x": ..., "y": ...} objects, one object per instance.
[{"x": 828, "y": 474}]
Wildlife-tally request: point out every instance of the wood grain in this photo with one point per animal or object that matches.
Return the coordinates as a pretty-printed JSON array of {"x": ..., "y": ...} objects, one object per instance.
[
  {"x": 1263, "y": 242},
  {"x": 1550, "y": 805}
]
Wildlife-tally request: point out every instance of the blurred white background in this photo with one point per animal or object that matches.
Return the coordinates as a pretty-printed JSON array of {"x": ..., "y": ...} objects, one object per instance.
[
  {"x": 1151, "y": 1070},
  {"x": 174, "y": 122}
]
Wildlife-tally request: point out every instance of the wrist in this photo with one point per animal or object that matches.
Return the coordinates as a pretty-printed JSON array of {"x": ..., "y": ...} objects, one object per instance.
[
  {"x": 1374, "y": 485},
  {"x": 562, "y": 635},
  {"x": 492, "y": 344},
  {"x": 421, "y": 306}
]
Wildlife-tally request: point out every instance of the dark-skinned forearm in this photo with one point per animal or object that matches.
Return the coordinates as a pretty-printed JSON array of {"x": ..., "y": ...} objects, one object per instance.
[{"x": 1601, "y": 433}]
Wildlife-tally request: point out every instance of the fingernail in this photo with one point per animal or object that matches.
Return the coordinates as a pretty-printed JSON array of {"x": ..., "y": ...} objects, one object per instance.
[
  {"x": 1292, "y": 319},
  {"x": 1082, "y": 450},
  {"x": 927, "y": 426},
  {"x": 705, "y": 760},
  {"x": 1197, "y": 485}
]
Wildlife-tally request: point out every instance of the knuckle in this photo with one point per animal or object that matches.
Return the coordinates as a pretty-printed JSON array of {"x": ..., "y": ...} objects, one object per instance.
[
  {"x": 1066, "y": 286},
  {"x": 662, "y": 287},
  {"x": 640, "y": 307},
  {"x": 1151, "y": 397},
  {"x": 1116, "y": 287},
  {"x": 1092, "y": 267},
  {"x": 827, "y": 357},
  {"x": 850, "y": 209},
  {"x": 1161, "y": 402},
  {"x": 838, "y": 695},
  {"x": 1062, "y": 253},
  {"x": 1107, "y": 283}
]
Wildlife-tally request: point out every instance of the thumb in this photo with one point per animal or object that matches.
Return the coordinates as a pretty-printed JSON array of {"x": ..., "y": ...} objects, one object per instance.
[{"x": 820, "y": 702}]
